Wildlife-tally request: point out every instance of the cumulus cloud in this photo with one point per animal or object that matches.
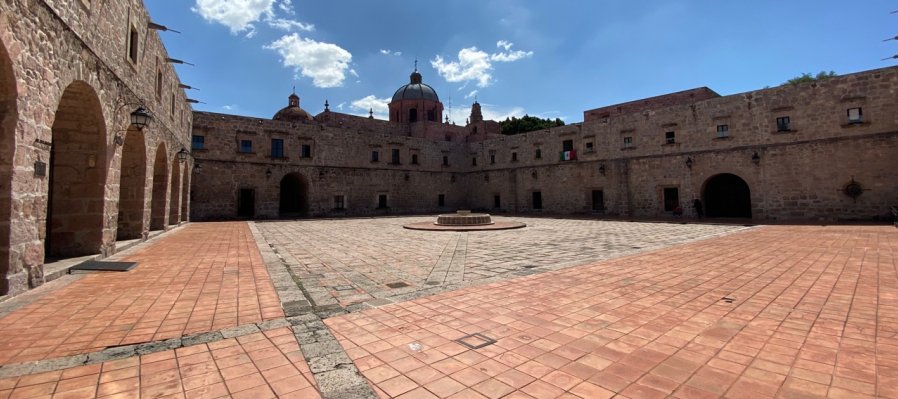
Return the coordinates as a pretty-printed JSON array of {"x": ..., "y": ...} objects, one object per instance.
[
  {"x": 371, "y": 102},
  {"x": 388, "y": 52},
  {"x": 237, "y": 15},
  {"x": 473, "y": 93},
  {"x": 476, "y": 65},
  {"x": 325, "y": 63},
  {"x": 289, "y": 24},
  {"x": 287, "y": 6}
]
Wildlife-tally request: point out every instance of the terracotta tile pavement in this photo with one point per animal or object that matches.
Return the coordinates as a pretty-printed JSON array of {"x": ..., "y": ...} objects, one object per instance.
[
  {"x": 257, "y": 366},
  {"x": 810, "y": 311},
  {"x": 203, "y": 277}
]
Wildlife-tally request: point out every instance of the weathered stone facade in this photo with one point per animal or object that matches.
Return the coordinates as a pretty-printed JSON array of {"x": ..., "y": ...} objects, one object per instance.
[
  {"x": 75, "y": 175},
  {"x": 645, "y": 158}
]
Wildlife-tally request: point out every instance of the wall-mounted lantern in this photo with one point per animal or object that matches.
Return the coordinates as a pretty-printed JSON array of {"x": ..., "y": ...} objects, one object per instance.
[
  {"x": 268, "y": 173},
  {"x": 183, "y": 154},
  {"x": 141, "y": 118},
  {"x": 689, "y": 162},
  {"x": 756, "y": 159},
  {"x": 602, "y": 169}
]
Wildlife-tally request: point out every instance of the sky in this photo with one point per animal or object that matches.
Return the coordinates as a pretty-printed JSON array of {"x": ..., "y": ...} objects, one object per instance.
[{"x": 549, "y": 59}]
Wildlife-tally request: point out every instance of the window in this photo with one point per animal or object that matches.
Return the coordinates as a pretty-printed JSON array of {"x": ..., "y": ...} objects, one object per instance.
[
  {"x": 567, "y": 145},
  {"x": 670, "y": 138},
  {"x": 448, "y": 137},
  {"x": 339, "y": 202},
  {"x": 277, "y": 148},
  {"x": 474, "y": 161},
  {"x": 375, "y": 156},
  {"x": 497, "y": 201},
  {"x": 431, "y": 115},
  {"x": 628, "y": 142},
  {"x": 445, "y": 160},
  {"x": 133, "y": 40},
  {"x": 441, "y": 200},
  {"x": 198, "y": 142},
  {"x": 173, "y": 104},
  {"x": 723, "y": 131},
  {"x": 567, "y": 152},
  {"x": 539, "y": 154},
  {"x": 855, "y": 115},
  {"x": 246, "y": 146},
  {"x": 514, "y": 157},
  {"x": 413, "y": 115},
  {"x": 381, "y": 201},
  {"x": 158, "y": 84},
  {"x": 590, "y": 147},
  {"x": 414, "y": 159},
  {"x": 492, "y": 159},
  {"x": 394, "y": 156},
  {"x": 305, "y": 151},
  {"x": 782, "y": 124}
]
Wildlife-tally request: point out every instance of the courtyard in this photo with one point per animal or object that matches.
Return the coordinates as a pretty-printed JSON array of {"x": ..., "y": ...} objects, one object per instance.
[{"x": 566, "y": 308}]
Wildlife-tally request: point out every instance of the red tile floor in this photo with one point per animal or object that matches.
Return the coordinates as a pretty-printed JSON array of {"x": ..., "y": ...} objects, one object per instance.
[
  {"x": 777, "y": 311},
  {"x": 203, "y": 277},
  {"x": 255, "y": 366}
]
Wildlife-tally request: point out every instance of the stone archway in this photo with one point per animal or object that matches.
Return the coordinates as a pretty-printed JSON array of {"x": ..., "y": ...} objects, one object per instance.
[
  {"x": 160, "y": 183},
  {"x": 174, "y": 206},
  {"x": 8, "y": 118},
  {"x": 185, "y": 193},
  {"x": 294, "y": 199},
  {"x": 727, "y": 196},
  {"x": 132, "y": 189},
  {"x": 77, "y": 175}
]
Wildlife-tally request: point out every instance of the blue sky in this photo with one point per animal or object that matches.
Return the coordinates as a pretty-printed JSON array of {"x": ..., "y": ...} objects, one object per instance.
[{"x": 551, "y": 59}]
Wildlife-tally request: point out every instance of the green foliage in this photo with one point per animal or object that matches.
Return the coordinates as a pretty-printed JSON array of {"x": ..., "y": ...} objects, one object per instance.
[
  {"x": 528, "y": 123},
  {"x": 807, "y": 77}
]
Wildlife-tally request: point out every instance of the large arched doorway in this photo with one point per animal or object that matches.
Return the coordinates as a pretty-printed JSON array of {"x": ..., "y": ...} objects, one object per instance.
[
  {"x": 8, "y": 118},
  {"x": 160, "y": 182},
  {"x": 727, "y": 196},
  {"x": 294, "y": 195},
  {"x": 77, "y": 175},
  {"x": 132, "y": 189},
  {"x": 174, "y": 206}
]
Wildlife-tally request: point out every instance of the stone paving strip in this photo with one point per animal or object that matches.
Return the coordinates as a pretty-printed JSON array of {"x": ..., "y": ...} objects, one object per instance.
[
  {"x": 776, "y": 311},
  {"x": 352, "y": 264}
]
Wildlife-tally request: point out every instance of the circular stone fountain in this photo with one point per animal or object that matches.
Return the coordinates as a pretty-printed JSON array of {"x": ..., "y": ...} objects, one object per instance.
[{"x": 464, "y": 221}]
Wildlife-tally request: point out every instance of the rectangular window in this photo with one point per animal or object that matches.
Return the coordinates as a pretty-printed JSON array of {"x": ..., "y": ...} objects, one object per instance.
[
  {"x": 628, "y": 142},
  {"x": 492, "y": 159},
  {"x": 497, "y": 201},
  {"x": 339, "y": 202},
  {"x": 537, "y": 198},
  {"x": 514, "y": 157},
  {"x": 445, "y": 160},
  {"x": 198, "y": 142},
  {"x": 246, "y": 146},
  {"x": 381, "y": 201},
  {"x": 590, "y": 147},
  {"x": 855, "y": 115},
  {"x": 723, "y": 131},
  {"x": 375, "y": 156},
  {"x": 782, "y": 124},
  {"x": 158, "y": 84},
  {"x": 473, "y": 161},
  {"x": 277, "y": 148},
  {"x": 670, "y": 138},
  {"x": 567, "y": 145},
  {"x": 441, "y": 200},
  {"x": 598, "y": 200},
  {"x": 394, "y": 156},
  {"x": 414, "y": 159},
  {"x": 539, "y": 154},
  {"x": 133, "y": 42},
  {"x": 305, "y": 151}
]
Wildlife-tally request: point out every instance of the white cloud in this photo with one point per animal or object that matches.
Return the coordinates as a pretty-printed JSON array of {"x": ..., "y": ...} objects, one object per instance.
[
  {"x": 476, "y": 65},
  {"x": 388, "y": 52},
  {"x": 325, "y": 63},
  {"x": 341, "y": 105},
  {"x": 237, "y": 15},
  {"x": 353, "y": 72},
  {"x": 369, "y": 102},
  {"x": 230, "y": 107},
  {"x": 473, "y": 93},
  {"x": 287, "y": 7},
  {"x": 289, "y": 24}
]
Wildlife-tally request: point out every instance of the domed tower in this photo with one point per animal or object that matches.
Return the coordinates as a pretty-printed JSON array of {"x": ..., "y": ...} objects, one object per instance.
[
  {"x": 292, "y": 112},
  {"x": 416, "y": 102},
  {"x": 476, "y": 113}
]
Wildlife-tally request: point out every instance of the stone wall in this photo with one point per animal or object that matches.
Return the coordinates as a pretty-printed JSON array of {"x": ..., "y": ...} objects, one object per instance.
[{"x": 54, "y": 53}]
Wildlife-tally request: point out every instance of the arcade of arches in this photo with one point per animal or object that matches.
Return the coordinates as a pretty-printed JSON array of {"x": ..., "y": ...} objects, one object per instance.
[
  {"x": 160, "y": 174},
  {"x": 132, "y": 191},
  {"x": 8, "y": 119}
]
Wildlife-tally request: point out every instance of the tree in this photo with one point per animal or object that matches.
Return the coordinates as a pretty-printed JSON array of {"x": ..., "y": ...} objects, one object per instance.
[
  {"x": 528, "y": 123},
  {"x": 807, "y": 77}
]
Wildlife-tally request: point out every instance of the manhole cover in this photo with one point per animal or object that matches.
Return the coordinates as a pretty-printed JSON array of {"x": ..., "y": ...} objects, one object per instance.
[
  {"x": 475, "y": 341},
  {"x": 398, "y": 284}
]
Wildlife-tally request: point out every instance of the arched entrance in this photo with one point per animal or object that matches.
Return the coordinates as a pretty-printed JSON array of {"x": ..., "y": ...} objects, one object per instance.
[
  {"x": 160, "y": 182},
  {"x": 77, "y": 175},
  {"x": 132, "y": 191},
  {"x": 727, "y": 196},
  {"x": 8, "y": 118},
  {"x": 174, "y": 206},
  {"x": 294, "y": 195}
]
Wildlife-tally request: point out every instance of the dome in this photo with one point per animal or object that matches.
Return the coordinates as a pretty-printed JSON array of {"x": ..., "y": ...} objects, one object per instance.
[
  {"x": 292, "y": 112},
  {"x": 416, "y": 90}
]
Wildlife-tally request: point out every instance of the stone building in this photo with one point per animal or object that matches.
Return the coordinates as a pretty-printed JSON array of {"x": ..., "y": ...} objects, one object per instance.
[
  {"x": 825, "y": 150},
  {"x": 76, "y": 175}
]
